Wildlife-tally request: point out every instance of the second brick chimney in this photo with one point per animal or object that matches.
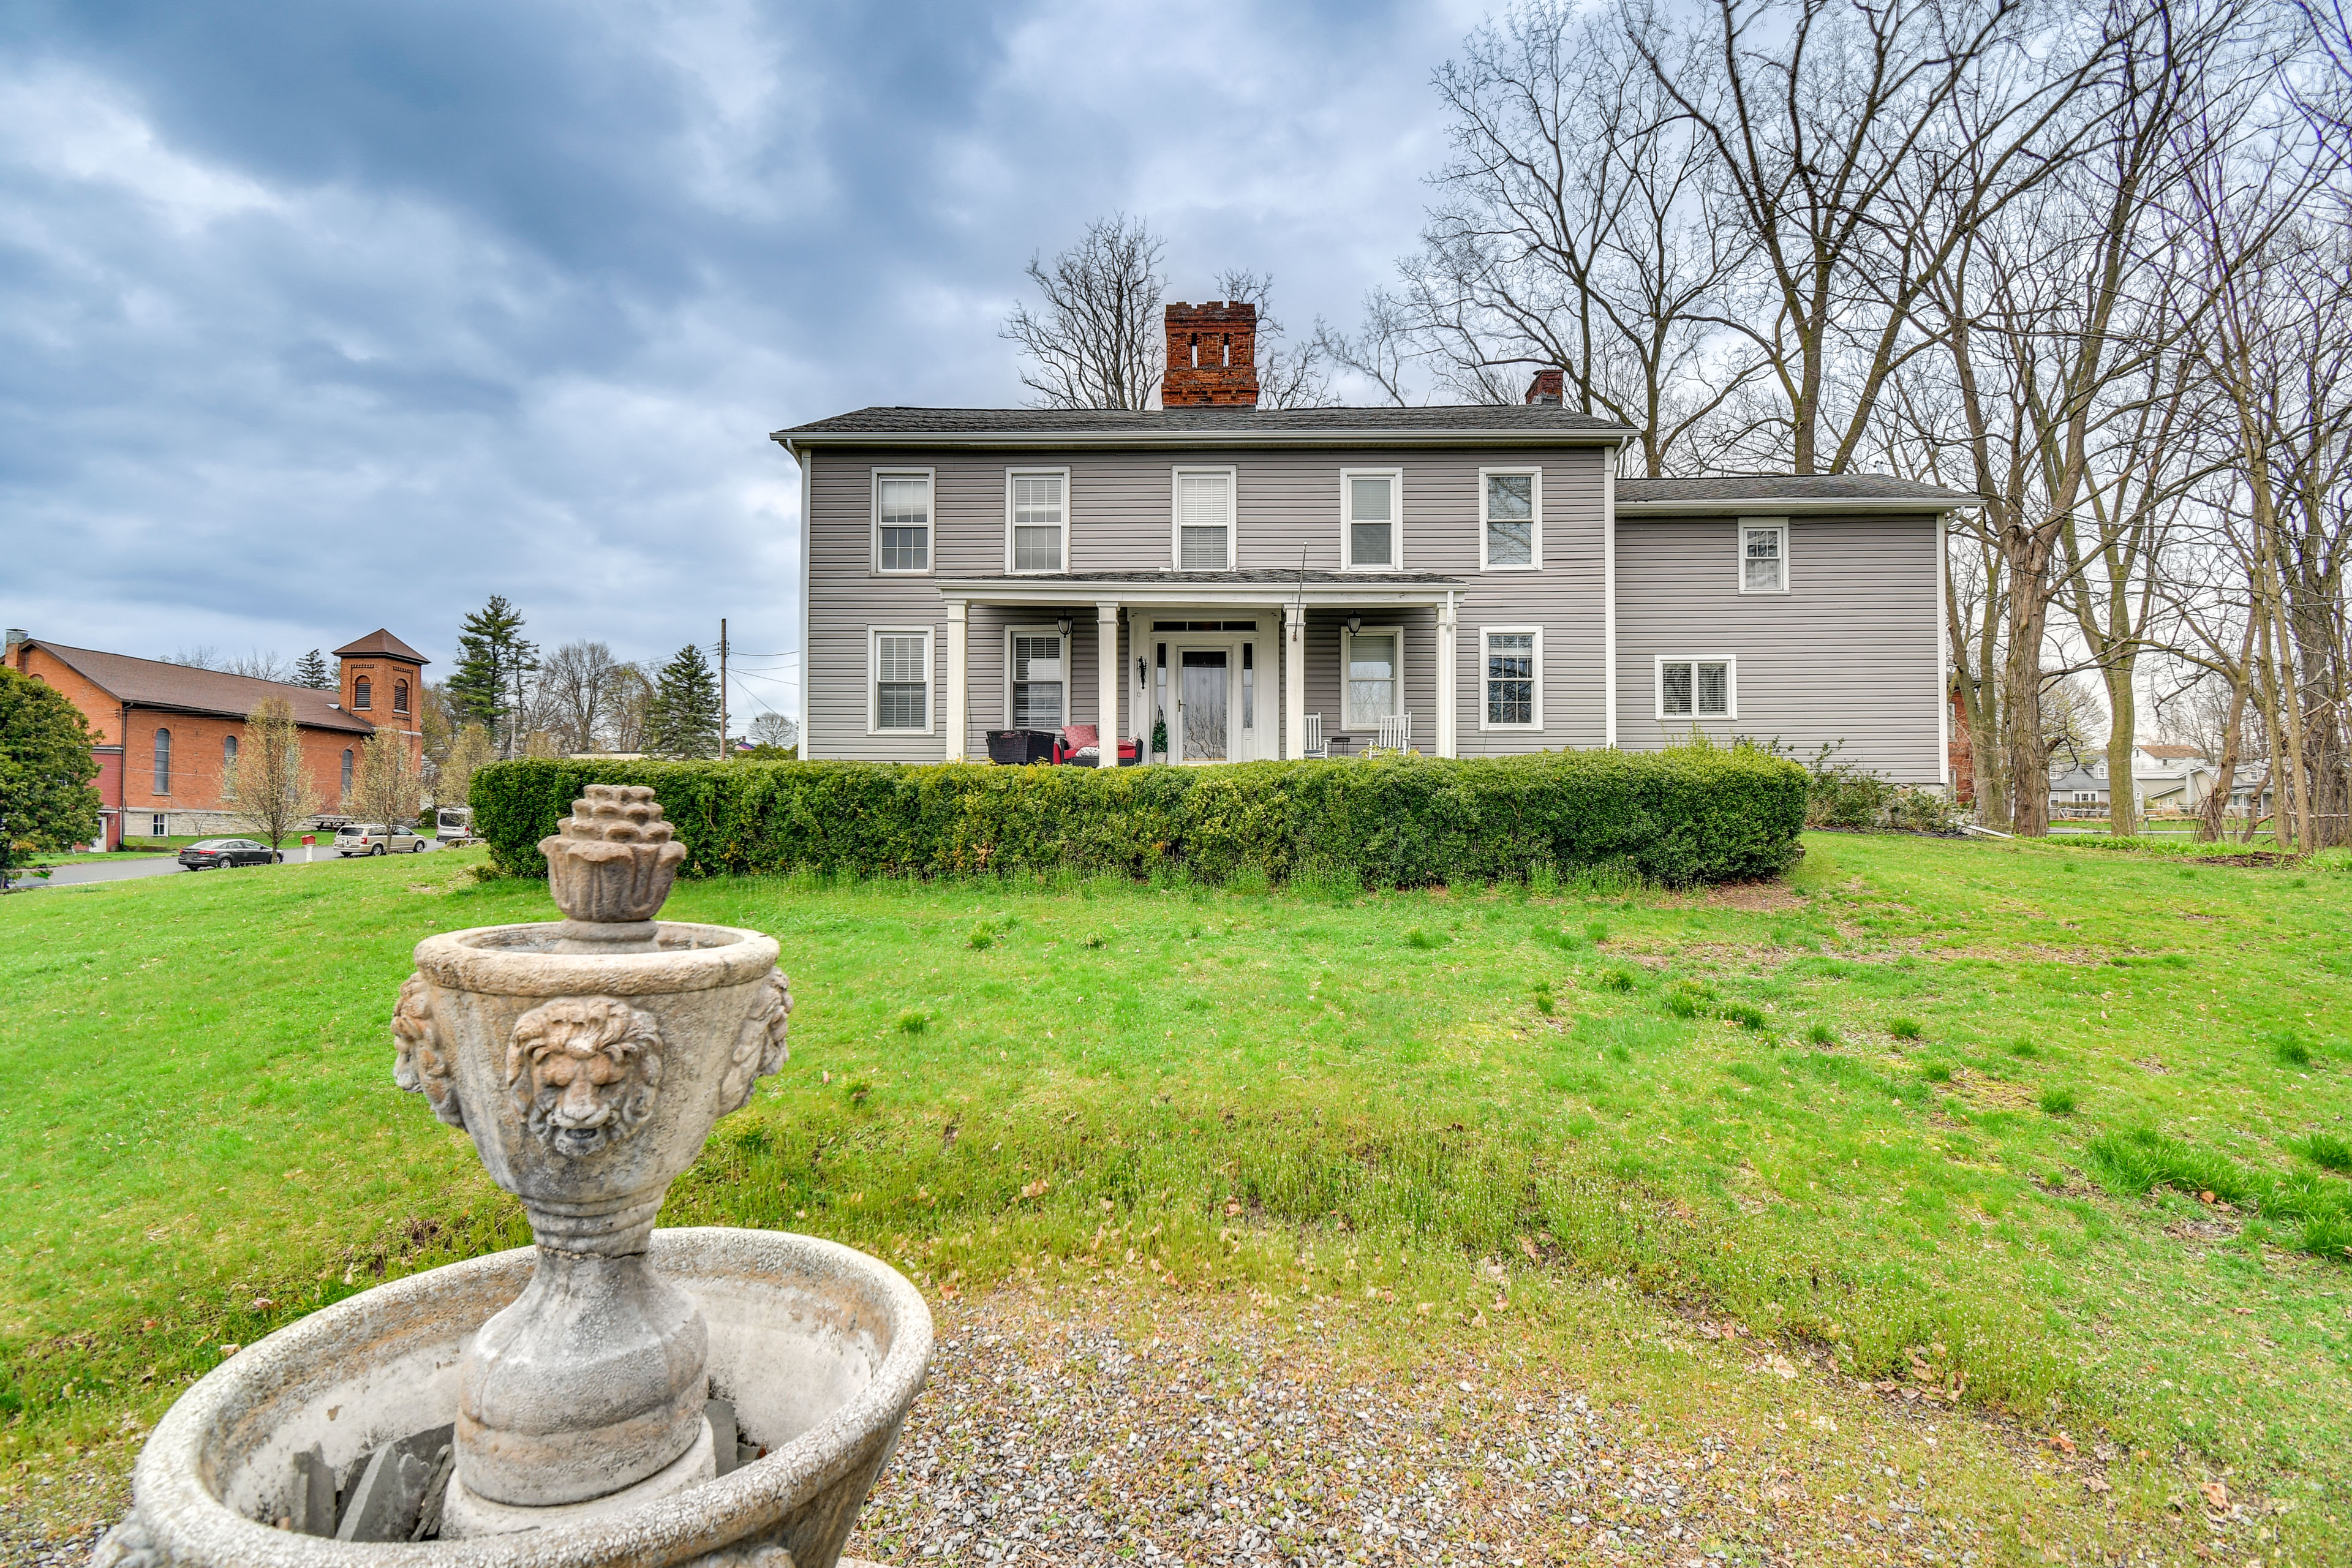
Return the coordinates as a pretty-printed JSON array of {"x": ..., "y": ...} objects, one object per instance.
[
  {"x": 1211, "y": 356},
  {"x": 1548, "y": 386}
]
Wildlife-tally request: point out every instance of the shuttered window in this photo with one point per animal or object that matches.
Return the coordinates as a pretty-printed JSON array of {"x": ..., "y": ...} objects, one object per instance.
[{"x": 1205, "y": 521}]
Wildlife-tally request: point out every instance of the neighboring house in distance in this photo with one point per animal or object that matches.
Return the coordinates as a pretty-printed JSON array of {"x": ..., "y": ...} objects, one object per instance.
[
  {"x": 2165, "y": 776},
  {"x": 1464, "y": 580},
  {"x": 166, "y": 731}
]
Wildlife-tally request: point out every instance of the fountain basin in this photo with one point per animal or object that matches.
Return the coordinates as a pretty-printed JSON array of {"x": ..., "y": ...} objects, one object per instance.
[{"x": 821, "y": 1349}]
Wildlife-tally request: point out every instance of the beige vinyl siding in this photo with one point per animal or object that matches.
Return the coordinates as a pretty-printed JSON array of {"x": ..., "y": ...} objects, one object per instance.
[
  {"x": 1851, "y": 653},
  {"x": 1120, "y": 519}
]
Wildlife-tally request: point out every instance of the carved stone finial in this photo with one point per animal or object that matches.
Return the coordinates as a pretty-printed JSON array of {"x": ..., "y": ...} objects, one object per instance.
[{"x": 612, "y": 861}]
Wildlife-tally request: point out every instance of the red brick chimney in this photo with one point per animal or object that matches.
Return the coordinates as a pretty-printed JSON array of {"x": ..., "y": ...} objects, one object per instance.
[
  {"x": 1211, "y": 356},
  {"x": 1548, "y": 386}
]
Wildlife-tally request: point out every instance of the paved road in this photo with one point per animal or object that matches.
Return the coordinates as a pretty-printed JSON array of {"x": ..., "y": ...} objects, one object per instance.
[{"x": 83, "y": 873}]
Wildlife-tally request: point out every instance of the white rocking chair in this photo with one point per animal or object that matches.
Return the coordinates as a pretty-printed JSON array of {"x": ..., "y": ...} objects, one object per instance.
[
  {"x": 1310, "y": 740},
  {"x": 1395, "y": 732}
]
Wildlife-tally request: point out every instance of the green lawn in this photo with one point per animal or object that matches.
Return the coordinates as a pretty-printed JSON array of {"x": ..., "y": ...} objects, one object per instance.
[{"x": 1900, "y": 1109}]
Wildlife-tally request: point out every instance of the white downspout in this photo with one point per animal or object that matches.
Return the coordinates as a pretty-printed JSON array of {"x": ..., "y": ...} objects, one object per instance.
[
  {"x": 959, "y": 699},
  {"x": 1614, "y": 455}
]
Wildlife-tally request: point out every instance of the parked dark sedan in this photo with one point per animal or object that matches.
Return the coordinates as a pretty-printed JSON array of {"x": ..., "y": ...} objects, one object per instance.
[{"x": 211, "y": 853}]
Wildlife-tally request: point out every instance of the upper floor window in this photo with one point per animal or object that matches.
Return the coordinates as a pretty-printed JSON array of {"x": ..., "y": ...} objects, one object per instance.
[
  {"x": 1510, "y": 507},
  {"x": 1374, "y": 515},
  {"x": 1204, "y": 519},
  {"x": 362, "y": 693},
  {"x": 1697, "y": 688},
  {"x": 1038, "y": 521},
  {"x": 1763, "y": 556},
  {"x": 902, "y": 522},
  {"x": 400, "y": 697},
  {"x": 163, "y": 762},
  {"x": 228, "y": 767}
]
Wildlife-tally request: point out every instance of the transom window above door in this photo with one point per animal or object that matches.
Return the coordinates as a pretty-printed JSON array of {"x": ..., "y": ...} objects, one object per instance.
[
  {"x": 1204, "y": 519},
  {"x": 902, "y": 522},
  {"x": 1037, "y": 525},
  {"x": 1372, "y": 517}
]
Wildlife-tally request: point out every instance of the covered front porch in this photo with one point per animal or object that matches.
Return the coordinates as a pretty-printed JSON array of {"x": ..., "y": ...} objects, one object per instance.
[{"x": 1216, "y": 666}]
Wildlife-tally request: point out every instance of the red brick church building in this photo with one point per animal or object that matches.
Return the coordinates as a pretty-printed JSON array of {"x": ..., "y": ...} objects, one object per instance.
[{"x": 166, "y": 731}]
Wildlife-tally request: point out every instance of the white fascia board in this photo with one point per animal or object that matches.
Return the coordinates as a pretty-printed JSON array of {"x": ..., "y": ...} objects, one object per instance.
[
  {"x": 1025, "y": 591},
  {"x": 1201, "y": 439},
  {"x": 1785, "y": 506}
]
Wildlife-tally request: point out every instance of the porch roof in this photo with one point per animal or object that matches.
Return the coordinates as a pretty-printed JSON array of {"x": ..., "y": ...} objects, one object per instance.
[{"x": 1256, "y": 588}]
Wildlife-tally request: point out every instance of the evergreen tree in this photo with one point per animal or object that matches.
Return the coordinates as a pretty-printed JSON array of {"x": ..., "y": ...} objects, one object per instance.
[
  {"x": 682, "y": 719},
  {"x": 494, "y": 662},
  {"x": 311, "y": 670}
]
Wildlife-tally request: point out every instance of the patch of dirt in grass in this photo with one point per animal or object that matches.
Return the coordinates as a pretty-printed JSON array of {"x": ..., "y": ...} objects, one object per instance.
[
  {"x": 1982, "y": 1093},
  {"x": 1067, "y": 1429},
  {"x": 1754, "y": 898},
  {"x": 2205, "y": 1228}
]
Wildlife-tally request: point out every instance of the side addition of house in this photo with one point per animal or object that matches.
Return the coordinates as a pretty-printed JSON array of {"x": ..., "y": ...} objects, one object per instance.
[{"x": 1222, "y": 582}]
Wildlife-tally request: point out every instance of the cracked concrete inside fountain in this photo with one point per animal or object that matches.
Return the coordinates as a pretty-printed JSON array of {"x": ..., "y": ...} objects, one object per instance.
[{"x": 614, "y": 1394}]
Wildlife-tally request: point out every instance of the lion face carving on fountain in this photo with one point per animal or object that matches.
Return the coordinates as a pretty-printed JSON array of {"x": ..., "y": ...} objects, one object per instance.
[{"x": 584, "y": 1071}]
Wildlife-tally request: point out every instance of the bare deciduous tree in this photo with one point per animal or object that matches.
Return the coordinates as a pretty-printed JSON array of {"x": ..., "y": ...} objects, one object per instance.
[
  {"x": 1097, "y": 342},
  {"x": 388, "y": 788},
  {"x": 575, "y": 685},
  {"x": 269, "y": 792},
  {"x": 1288, "y": 376}
]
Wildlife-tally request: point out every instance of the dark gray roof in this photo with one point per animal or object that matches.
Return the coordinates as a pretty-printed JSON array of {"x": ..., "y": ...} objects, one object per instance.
[
  {"x": 1517, "y": 422},
  {"x": 1848, "y": 491}
]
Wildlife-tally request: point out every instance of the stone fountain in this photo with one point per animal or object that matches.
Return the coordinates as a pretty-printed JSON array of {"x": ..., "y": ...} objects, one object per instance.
[{"x": 613, "y": 1395}]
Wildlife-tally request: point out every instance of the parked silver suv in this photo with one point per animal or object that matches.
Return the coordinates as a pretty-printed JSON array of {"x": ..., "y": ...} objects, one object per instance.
[{"x": 374, "y": 839}]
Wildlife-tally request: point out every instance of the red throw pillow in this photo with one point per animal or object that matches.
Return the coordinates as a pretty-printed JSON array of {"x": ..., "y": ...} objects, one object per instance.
[{"x": 1076, "y": 735}]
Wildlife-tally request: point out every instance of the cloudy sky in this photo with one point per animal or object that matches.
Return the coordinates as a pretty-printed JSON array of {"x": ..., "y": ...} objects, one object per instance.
[{"x": 315, "y": 317}]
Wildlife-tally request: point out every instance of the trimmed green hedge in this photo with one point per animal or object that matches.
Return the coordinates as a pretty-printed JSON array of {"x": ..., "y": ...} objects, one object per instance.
[{"x": 1690, "y": 815}]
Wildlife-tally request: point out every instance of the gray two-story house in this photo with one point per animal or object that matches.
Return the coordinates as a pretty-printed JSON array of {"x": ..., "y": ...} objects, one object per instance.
[{"x": 1248, "y": 582}]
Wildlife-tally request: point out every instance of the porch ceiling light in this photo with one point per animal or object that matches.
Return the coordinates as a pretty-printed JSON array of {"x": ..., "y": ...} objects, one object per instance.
[
  {"x": 1063, "y": 626},
  {"x": 1355, "y": 625}
]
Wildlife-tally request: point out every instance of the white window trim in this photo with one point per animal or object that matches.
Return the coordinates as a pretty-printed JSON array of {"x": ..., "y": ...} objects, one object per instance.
[
  {"x": 1739, "y": 553},
  {"x": 1395, "y": 478},
  {"x": 1348, "y": 656},
  {"x": 874, "y": 528},
  {"x": 1176, "y": 513},
  {"x": 1047, "y": 630},
  {"x": 1522, "y": 729},
  {"x": 873, "y": 674},
  {"x": 1658, "y": 687},
  {"x": 1535, "y": 499},
  {"x": 1010, "y": 475}
]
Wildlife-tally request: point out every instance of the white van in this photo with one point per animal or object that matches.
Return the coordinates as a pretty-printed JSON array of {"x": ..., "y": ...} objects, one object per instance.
[{"x": 374, "y": 838}]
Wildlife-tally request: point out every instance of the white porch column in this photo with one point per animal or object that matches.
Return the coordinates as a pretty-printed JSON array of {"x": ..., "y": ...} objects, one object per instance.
[
  {"x": 1448, "y": 634},
  {"x": 1294, "y": 680},
  {"x": 1106, "y": 668},
  {"x": 958, "y": 704}
]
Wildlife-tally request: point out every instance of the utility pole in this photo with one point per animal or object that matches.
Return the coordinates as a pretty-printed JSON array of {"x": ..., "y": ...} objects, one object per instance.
[{"x": 722, "y": 688}]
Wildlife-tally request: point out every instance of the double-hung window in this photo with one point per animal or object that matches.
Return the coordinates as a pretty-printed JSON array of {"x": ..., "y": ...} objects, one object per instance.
[
  {"x": 901, "y": 680},
  {"x": 1372, "y": 523},
  {"x": 1373, "y": 658},
  {"x": 1204, "y": 519},
  {"x": 1514, "y": 678},
  {"x": 1039, "y": 677},
  {"x": 1763, "y": 556},
  {"x": 1510, "y": 520},
  {"x": 1697, "y": 688},
  {"x": 1037, "y": 519},
  {"x": 902, "y": 521}
]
